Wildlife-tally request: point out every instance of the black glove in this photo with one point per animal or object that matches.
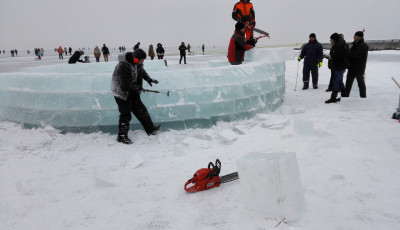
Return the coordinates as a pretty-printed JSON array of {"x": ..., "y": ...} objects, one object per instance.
[
  {"x": 252, "y": 42},
  {"x": 152, "y": 80}
]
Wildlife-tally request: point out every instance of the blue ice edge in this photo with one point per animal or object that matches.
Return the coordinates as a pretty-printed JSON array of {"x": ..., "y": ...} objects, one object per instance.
[{"x": 76, "y": 98}]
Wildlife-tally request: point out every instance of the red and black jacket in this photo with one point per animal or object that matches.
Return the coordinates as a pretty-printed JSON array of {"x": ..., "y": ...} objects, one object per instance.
[{"x": 237, "y": 46}]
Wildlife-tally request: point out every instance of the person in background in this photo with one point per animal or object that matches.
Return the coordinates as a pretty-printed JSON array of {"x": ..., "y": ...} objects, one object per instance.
[
  {"x": 136, "y": 46},
  {"x": 188, "y": 48},
  {"x": 202, "y": 47},
  {"x": 312, "y": 53},
  {"x": 330, "y": 86},
  {"x": 76, "y": 57},
  {"x": 106, "y": 52},
  {"x": 86, "y": 60},
  {"x": 65, "y": 51},
  {"x": 60, "y": 53},
  {"x": 238, "y": 45},
  {"x": 151, "y": 52},
  {"x": 182, "y": 50},
  {"x": 70, "y": 51},
  {"x": 339, "y": 64},
  {"x": 126, "y": 86},
  {"x": 160, "y": 51},
  {"x": 357, "y": 55},
  {"x": 97, "y": 53}
]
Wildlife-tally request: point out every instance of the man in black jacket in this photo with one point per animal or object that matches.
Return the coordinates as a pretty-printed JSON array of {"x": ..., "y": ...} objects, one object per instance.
[
  {"x": 182, "y": 50},
  {"x": 126, "y": 86},
  {"x": 106, "y": 52},
  {"x": 339, "y": 64},
  {"x": 313, "y": 55},
  {"x": 358, "y": 55},
  {"x": 76, "y": 57}
]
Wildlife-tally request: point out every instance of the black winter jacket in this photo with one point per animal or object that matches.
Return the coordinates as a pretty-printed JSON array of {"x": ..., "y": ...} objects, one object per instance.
[
  {"x": 338, "y": 56},
  {"x": 358, "y": 55},
  {"x": 75, "y": 58},
  {"x": 312, "y": 53},
  {"x": 182, "y": 50}
]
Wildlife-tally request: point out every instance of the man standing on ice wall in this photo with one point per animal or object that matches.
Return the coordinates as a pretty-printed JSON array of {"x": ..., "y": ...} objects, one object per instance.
[
  {"x": 243, "y": 12},
  {"x": 313, "y": 55},
  {"x": 126, "y": 86},
  {"x": 237, "y": 45},
  {"x": 358, "y": 55}
]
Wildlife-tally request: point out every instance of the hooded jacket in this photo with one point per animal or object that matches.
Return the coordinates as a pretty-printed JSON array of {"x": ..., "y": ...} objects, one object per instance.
[
  {"x": 237, "y": 47},
  {"x": 127, "y": 77},
  {"x": 338, "y": 55},
  {"x": 312, "y": 53}
]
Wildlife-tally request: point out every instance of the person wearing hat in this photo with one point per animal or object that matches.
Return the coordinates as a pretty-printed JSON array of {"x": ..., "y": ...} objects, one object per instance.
[
  {"x": 76, "y": 57},
  {"x": 313, "y": 55},
  {"x": 182, "y": 51},
  {"x": 126, "y": 86},
  {"x": 238, "y": 45},
  {"x": 339, "y": 64},
  {"x": 357, "y": 55}
]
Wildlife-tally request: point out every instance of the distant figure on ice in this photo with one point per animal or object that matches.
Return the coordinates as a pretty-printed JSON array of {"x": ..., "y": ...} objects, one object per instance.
[
  {"x": 16, "y": 52},
  {"x": 106, "y": 52},
  {"x": 238, "y": 45},
  {"x": 76, "y": 57},
  {"x": 182, "y": 50},
  {"x": 151, "y": 52},
  {"x": 339, "y": 64},
  {"x": 188, "y": 48},
  {"x": 243, "y": 12},
  {"x": 97, "y": 53},
  {"x": 126, "y": 86},
  {"x": 65, "y": 51},
  {"x": 86, "y": 60},
  {"x": 60, "y": 53},
  {"x": 313, "y": 55},
  {"x": 160, "y": 51},
  {"x": 136, "y": 46},
  {"x": 12, "y": 53},
  {"x": 70, "y": 51},
  {"x": 357, "y": 55},
  {"x": 202, "y": 47}
]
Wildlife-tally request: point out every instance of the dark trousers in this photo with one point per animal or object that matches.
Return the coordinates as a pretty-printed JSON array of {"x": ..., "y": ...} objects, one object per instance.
[
  {"x": 184, "y": 59},
  {"x": 338, "y": 81},
  {"x": 60, "y": 56},
  {"x": 314, "y": 73},
  {"x": 134, "y": 105},
  {"x": 351, "y": 75}
]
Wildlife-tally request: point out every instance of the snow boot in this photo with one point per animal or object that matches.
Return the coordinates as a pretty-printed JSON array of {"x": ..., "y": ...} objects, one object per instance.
[
  {"x": 333, "y": 98},
  {"x": 123, "y": 134},
  {"x": 305, "y": 86},
  {"x": 154, "y": 130},
  {"x": 315, "y": 86},
  {"x": 124, "y": 139}
]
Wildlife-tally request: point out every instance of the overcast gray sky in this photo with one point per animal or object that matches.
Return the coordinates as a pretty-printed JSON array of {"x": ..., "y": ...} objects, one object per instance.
[{"x": 25, "y": 24}]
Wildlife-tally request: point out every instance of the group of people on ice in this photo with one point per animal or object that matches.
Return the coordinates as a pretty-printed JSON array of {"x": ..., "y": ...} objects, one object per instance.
[{"x": 340, "y": 58}]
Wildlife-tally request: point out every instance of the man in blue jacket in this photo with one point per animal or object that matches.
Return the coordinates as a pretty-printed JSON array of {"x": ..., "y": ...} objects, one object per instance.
[{"x": 313, "y": 55}]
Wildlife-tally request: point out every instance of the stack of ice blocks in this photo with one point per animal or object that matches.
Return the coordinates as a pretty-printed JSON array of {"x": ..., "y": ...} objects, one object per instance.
[{"x": 77, "y": 97}]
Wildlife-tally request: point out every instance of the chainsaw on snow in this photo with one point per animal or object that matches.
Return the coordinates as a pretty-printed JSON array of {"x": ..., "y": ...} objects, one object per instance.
[{"x": 207, "y": 178}]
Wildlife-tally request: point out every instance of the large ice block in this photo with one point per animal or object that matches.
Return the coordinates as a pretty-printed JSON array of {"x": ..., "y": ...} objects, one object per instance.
[
  {"x": 271, "y": 184},
  {"x": 77, "y": 97}
]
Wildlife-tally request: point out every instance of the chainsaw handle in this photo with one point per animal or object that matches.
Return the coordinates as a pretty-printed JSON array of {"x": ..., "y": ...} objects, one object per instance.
[{"x": 210, "y": 164}]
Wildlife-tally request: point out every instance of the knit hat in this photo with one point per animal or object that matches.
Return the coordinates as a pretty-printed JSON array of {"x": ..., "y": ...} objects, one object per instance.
[
  {"x": 335, "y": 37},
  {"x": 139, "y": 53},
  {"x": 239, "y": 26},
  {"x": 360, "y": 34},
  {"x": 312, "y": 35}
]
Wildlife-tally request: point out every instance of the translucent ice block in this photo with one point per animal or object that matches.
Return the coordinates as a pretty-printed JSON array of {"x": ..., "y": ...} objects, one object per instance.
[{"x": 271, "y": 184}]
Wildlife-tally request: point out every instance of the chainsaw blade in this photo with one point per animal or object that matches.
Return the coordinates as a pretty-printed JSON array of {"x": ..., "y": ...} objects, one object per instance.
[{"x": 230, "y": 177}]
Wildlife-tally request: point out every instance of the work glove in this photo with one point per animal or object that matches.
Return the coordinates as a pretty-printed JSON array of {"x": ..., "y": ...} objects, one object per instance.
[
  {"x": 319, "y": 64},
  {"x": 299, "y": 58},
  {"x": 152, "y": 80}
]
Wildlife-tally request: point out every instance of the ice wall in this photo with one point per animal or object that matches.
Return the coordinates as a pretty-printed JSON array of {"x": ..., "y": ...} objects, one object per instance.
[
  {"x": 271, "y": 184},
  {"x": 77, "y": 97}
]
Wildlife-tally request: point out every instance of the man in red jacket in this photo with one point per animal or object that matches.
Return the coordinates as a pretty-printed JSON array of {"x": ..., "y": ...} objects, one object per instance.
[{"x": 238, "y": 45}]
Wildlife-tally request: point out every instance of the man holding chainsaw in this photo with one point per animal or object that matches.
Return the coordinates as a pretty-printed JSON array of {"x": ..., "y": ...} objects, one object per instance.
[
  {"x": 126, "y": 86},
  {"x": 238, "y": 45},
  {"x": 243, "y": 12}
]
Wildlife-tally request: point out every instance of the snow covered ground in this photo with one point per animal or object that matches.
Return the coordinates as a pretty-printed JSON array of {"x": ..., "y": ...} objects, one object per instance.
[{"x": 348, "y": 155}]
